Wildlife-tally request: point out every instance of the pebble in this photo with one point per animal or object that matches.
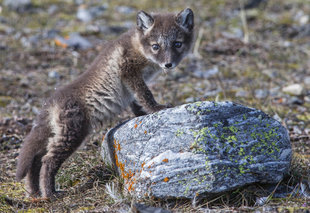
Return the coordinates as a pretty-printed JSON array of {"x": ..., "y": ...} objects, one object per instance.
[
  {"x": 52, "y": 9},
  {"x": 83, "y": 14},
  {"x": 293, "y": 89},
  {"x": 19, "y": 5},
  {"x": 277, "y": 117},
  {"x": 301, "y": 17},
  {"x": 138, "y": 207},
  {"x": 270, "y": 73},
  {"x": 307, "y": 80},
  {"x": 112, "y": 29},
  {"x": 51, "y": 34},
  {"x": 261, "y": 94},
  {"x": 206, "y": 73},
  {"x": 53, "y": 74},
  {"x": 242, "y": 94},
  {"x": 125, "y": 10},
  {"x": 75, "y": 40},
  {"x": 87, "y": 15},
  {"x": 296, "y": 101},
  {"x": 35, "y": 110}
]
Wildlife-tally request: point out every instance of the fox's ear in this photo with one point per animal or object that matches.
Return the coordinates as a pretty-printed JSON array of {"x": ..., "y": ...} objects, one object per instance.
[
  {"x": 186, "y": 19},
  {"x": 144, "y": 20}
]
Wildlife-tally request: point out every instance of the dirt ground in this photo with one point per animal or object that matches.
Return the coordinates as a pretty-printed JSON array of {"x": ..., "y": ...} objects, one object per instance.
[{"x": 258, "y": 56}]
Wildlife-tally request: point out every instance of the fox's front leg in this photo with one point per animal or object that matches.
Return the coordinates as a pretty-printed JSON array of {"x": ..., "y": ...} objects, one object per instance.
[{"x": 134, "y": 81}]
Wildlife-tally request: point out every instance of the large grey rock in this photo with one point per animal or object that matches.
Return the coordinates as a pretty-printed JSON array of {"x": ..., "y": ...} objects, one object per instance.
[{"x": 195, "y": 149}]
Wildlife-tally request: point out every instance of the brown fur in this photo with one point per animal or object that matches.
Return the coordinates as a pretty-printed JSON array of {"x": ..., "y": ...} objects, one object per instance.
[{"x": 114, "y": 81}]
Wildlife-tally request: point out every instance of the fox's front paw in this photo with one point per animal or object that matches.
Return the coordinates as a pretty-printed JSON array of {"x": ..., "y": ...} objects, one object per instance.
[
  {"x": 161, "y": 107},
  {"x": 169, "y": 105}
]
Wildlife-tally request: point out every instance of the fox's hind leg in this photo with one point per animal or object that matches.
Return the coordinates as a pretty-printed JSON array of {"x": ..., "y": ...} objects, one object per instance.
[
  {"x": 33, "y": 177},
  {"x": 69, "y": 127}
]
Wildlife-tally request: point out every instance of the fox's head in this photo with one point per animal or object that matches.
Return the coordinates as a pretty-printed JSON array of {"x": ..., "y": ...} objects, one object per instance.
[{"x": 166, "y": 38}]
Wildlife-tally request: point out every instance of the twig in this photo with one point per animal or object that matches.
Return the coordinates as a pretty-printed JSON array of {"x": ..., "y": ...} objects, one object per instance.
[
  {"x": 197, "y": 43},
  {"x": 244, "y": 22}
]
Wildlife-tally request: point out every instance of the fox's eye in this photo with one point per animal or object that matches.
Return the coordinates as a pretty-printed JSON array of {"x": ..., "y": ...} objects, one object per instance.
[
  {"x": 177, "y": 44},
  {"x": 155, "y": 47}
]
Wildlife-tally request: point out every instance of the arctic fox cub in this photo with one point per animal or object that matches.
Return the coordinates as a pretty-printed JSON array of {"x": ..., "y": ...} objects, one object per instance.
[{"x": 114, "y": 81}]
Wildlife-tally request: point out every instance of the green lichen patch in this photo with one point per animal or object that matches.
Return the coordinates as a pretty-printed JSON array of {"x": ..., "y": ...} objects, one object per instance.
[
  {"x": 198, "y": 108},
  {"x": 179, "y": 133},
  {"x": 242, "y": 141}
]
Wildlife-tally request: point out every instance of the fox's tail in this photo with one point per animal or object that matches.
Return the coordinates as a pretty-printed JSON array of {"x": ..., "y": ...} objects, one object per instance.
[{"x": 32, "y": 145}]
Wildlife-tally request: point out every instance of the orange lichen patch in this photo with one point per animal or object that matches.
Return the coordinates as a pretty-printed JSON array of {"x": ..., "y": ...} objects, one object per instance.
[
  {"x": 197, "y": 194},
  {"x": 140, "y": 122},
  {"x": 116, "y": 160},
  {"x": 127, "y": 176},
  {"x": 103, "y": 138},
  {"x": 165, "y": 160},
  {"x": 135, "y": 126},
  {"x": 145, "y": 132},
  {"x": 166, "y": 179},
  {"x": 142, "y": 165},
  {"x": 130, "y": 187},
  {"x": 60, "y": 44}
]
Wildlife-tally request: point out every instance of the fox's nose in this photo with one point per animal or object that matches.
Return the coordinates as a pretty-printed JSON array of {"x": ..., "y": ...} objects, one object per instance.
[{"x": 169, "y": 65}]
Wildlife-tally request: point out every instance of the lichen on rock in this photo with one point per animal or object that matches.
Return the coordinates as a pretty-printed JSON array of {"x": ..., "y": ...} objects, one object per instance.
[{"x": 201, "y": 149}]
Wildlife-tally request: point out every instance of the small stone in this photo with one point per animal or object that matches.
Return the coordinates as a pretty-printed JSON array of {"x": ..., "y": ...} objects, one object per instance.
[
  {"x": 301, "y": 17},
  {"x": 25, "y": 42},
  {"x": 97, "y": 11},
  {"x": 206, "y": 73},
  {"x": 83, "y": 14},
  {"x": 277, "y": 117},
  {"x": 24, "y": 82},
  {"x": 148, "y": 209},
  {"x": 260, "y": 201},
  {"x": 75, "y": 41},
  {"x": 87, "y": 15},
  {"x": 51, "y": 34},
  {"x": 270, "y": 73},
  {"x": 296, "y": 130},
  {"x": 293, "y": 89},
  {"x": 112, "y": 29},
  {"x": 125, "y": 10},
  {"x": 79, "y": 2},
  {"x": 307, "y": 80},
  {"x": 52, "y": 9},
  {"x": 18, "y": 5},
  {"x": 53, "y": 74},
  {"x": 242, "y": 94},
  {"x": 295, "y": 100},
  {"x": 261, "y": 94},
  {"x": 35, "y": 110}
]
